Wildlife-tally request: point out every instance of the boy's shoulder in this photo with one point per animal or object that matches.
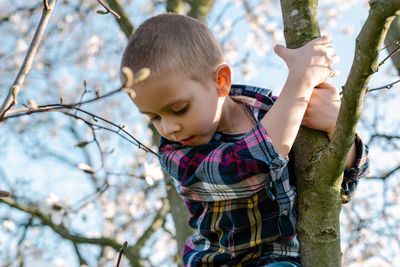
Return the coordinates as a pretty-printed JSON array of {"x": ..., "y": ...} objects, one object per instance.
[{"x": 257, "y": 97}]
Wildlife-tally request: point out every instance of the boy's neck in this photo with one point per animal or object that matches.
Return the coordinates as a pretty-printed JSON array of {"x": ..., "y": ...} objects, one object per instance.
[{"x": 234, "y": 118}]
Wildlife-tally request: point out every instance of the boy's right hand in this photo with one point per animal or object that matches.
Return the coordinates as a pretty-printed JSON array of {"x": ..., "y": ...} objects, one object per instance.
[
  {"x": 323, "y": 109},
  {"x": 311, "y": 63},
  {"x": 309, "y": 66}
]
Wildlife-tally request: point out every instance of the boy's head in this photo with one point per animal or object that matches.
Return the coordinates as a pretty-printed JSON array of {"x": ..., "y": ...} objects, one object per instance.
[
  {"x": 171, "y": 43},
  {"x": 188, "y": 82}
]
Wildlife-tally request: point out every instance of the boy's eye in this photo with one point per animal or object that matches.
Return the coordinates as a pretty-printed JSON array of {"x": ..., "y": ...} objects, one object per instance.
[
  {"x": 155, "y": 118},
  {"x": 181, "y": 110}
]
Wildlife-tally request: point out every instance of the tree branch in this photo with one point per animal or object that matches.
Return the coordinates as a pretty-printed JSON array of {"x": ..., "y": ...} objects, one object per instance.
[
  {"x": 20, "y": 9},
  {"x": 4, "y": 193},
  {"x": 391, "y": 53},
  {"x": 62, "y": 107},
  {"x": 78, "y": 254},
  {"x": 365, "y": 63},
  {"x": 124, "y": 23},
  {"x": 386, "y": 175},
  {"x": 385, "y": 136},
  {"x": 388, "y": 86},
  {"x": 109, "y": 10},
  {"x": 10, "y": 99},
  {"x": 158, "y": 221},
  {"x": 132, "y": 253}
]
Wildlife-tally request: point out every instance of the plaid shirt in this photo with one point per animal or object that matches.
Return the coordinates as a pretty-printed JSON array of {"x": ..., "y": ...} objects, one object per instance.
[{"x": 238, "y": 223}]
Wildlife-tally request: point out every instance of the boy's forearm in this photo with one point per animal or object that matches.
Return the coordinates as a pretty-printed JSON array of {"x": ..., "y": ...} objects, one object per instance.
[
  {"x": 351, "y": 157},
  {"x": 283, "y": 120}
]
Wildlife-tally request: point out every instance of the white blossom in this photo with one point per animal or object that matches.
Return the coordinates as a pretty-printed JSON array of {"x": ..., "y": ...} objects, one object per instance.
[
  {"x": 348, "y": 30},
  {"x": 21, "y": 46},
  {"x": 249, "y": 71},
  {"x": 8, "y": 225},
  {"x": 60, "y": 262},
  {"x": 94, "y": 44}
]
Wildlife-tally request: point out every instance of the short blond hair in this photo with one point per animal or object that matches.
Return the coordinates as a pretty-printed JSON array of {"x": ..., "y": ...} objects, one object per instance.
[{"x": 169, "y": 43}]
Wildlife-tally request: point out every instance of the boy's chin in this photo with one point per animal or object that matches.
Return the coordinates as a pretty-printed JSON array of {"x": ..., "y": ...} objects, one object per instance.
[{"x": 194, "y": 141}]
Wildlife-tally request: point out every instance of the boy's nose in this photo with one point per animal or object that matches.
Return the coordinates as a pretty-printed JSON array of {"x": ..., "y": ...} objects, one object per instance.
[{"x": 171, "y": 127}]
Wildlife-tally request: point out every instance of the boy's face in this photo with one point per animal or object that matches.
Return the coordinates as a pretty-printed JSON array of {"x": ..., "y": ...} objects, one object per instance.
[{"x": 182, "y": 110}]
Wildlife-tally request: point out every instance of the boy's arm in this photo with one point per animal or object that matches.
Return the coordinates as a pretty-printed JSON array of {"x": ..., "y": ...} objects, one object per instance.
[
  {"x": 321, "y": 114},
  {"x": 359, "y": 169},
  {"x": 308, "y": 66},
  {"x": 351, "y": 156}
]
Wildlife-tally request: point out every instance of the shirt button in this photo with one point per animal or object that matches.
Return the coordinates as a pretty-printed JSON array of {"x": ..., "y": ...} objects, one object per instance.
[
  {"x": 270, "y": 184},
  {"x": 285, "y": 212}
]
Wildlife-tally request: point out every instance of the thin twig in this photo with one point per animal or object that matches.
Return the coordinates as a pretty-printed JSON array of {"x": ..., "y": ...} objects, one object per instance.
[
  {"x": 109, "y": 10},
  {"x": 44, "y": 108},
  {"x": 4, "y": 193},
  {"x": 85, "y": 90},
  {"x": 84, "y": 201},
  {"x": 139, "y": 144},
  {"x": 46, "y": 5},
  {"x": 27, "y": 63},
  {"x": 103, "y": 163},
  {"x": 61, "y": 108},
  {"x": 60, "y": 229},
  {"x": 82, "y": 261},
  {"x": 391, "y": 54},
  {"x": 385, "y": 136},
  {"x": 121, "y": 251},
  {"x": 392, "y": 43},
  {"x": 385, "y": 175},
  {"x": 388, "y": 86}
]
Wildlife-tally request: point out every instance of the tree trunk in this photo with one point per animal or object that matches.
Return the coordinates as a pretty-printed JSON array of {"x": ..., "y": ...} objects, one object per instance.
[{"x": 318, "y": 205}]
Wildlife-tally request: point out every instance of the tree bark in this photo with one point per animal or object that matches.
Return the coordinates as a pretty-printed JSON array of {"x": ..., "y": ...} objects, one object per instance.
[
  {"x": 318, "y": 205},
  {"x": 319, "y": 164}
]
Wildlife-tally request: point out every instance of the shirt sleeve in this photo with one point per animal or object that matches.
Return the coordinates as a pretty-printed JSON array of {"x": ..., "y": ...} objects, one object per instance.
[
  {"x": 353, "y": 175},
  {"x": 220, "y": 171}
]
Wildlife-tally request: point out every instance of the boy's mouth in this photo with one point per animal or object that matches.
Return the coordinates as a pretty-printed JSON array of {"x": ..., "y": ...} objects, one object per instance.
[{"x": 187, "y": 141}]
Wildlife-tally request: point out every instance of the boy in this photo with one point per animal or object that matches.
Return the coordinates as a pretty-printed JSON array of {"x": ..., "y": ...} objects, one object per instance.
[{"x": 226, "y": 146}]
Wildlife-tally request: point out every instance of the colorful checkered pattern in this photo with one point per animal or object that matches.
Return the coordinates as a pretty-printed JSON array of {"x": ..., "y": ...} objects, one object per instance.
[{"x": 240, "y": 193}]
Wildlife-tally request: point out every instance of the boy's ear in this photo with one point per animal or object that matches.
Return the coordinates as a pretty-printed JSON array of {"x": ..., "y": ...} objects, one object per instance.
[{"x": 223, "y": 79}]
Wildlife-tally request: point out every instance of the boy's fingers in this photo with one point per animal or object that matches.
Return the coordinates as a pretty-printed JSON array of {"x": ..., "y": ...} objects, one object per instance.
[
  {"x": 281, "y": 51},
  {"x": 325, "y": 39},
  {"x": 326, "y": 85},
  {"x": 334, "y": 73},
  {"x": 329, "y": 50},
  {"x": 334, "y": 59},
  {"x": 278, "y": 49}
]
